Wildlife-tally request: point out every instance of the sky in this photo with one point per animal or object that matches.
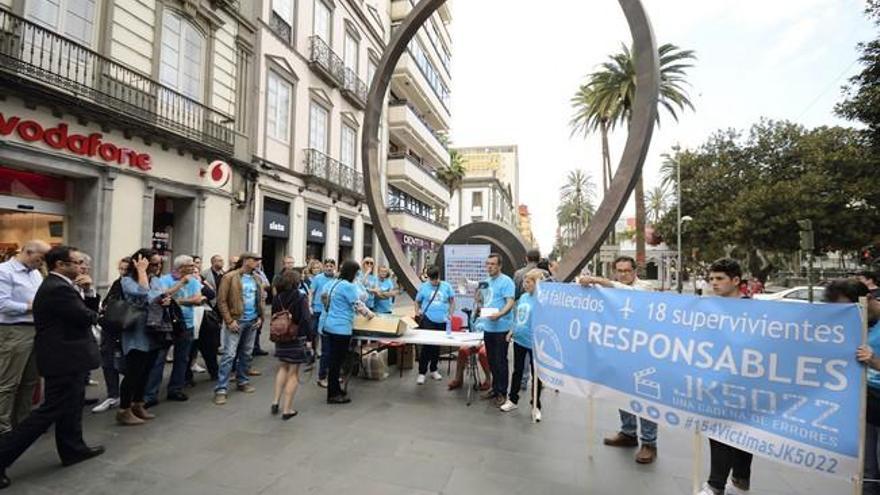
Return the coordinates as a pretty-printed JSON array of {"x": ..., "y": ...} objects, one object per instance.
[{"x": 516, "y": 64}]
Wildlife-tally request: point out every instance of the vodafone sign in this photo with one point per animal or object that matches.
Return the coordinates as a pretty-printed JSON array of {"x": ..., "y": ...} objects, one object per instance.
[{"x": 59, "y": 137}]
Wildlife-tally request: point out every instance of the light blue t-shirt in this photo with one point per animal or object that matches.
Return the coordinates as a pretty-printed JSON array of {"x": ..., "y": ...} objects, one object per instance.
[
  {"x": 249, "y": 294},
  {"x": 438, "y": 310},
  {"x": 499, "y": 290},
  {"x": 368, "y": 282},
  {"x": 874, "y": 342},
  {"x": 522, "y": 330},
  {"x": 339, "y": 317},
  {"x": 318, "y": 284},
  {"x": 190, "y": 289},
  {"x": 383, "y": 306}
]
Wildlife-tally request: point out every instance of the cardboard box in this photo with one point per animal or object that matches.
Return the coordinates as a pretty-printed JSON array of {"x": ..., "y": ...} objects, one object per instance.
[{"x": 380, "y": 326}]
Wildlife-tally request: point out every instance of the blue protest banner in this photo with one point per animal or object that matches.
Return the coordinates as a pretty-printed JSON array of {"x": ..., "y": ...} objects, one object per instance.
[{"x": 779, "y": 380}]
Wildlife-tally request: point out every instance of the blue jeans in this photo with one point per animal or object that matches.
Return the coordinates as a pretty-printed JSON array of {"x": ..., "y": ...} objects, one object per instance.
[
  {"x": 178, "y": 369},
  {"x": 628, "y": 427},
  {"x": 233, "y": 353}
]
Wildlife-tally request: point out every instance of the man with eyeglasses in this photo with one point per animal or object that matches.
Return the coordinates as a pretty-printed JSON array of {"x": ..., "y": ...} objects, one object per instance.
[
  {"x": 20, "y": 278},
  {"x": 65, "y": 350},
  {"x": 627, "y": 278}
]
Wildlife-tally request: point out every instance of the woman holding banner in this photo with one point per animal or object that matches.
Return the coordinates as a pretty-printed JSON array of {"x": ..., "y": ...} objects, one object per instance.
[{"x": 522, "y": 344}]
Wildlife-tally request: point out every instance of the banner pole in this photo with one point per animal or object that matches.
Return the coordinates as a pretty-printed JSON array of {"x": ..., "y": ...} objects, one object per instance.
[
  {"x": 534, "y": 387},
  {"x": 857, "y": 486},
  {"x": 698, "y": 458},
  {"x": 591, "y": 430}
]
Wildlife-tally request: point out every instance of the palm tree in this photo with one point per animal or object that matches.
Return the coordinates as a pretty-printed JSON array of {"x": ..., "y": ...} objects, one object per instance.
[
  {"x": 452, "y": 174},
  {"x": 657, "y": 202},
  {"x": 577, "y": 204},
  {"x": 611, "y": 91}
]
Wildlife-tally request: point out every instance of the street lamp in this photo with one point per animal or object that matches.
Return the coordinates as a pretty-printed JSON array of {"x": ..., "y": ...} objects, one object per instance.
[{"x": 681, "y": 221}]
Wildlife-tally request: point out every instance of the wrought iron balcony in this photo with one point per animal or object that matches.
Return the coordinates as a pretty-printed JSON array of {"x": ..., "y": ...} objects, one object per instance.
[
  {"x": 40, "y": 63},
  {"x": 354, "y": 89},
  {"x": 333, "y": 175},
  {"x": 397, "y": 208},
  {"x": 326, "y": 62},
  {"x": 281, "y": 28}
]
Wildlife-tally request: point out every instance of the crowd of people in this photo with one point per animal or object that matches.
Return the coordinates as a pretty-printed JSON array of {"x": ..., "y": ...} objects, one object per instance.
[{"x": 55, "y": 326}]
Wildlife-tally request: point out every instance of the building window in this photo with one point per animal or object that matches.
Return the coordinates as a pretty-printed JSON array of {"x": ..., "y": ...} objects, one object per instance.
[
  {"x": 72, "y": 18},
  {"x": 323, "y": 21},
  {"x": 401, "y": 201},
  {"x": 418, "y": 53},
  {"x": 350, "y": 52},
  {"x": 281, "y": 21},
  {"x": 371, "y": 70},
  {"x": 181, "y": 66},
  {"x": 477, "y": 199},
  {"x": 349, "y": 144},
  {"x": 278, "y": 93},
  {"x": 319, "y": 128}
]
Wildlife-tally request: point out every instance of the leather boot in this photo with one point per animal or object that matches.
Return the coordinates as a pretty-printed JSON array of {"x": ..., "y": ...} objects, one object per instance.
[
  {"x": 126, "y": 418},
  {"x": 137, "y": 408}
]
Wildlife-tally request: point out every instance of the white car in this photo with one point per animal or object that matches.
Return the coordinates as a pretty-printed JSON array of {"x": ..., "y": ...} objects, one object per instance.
[{"x": 799, "y": 294}]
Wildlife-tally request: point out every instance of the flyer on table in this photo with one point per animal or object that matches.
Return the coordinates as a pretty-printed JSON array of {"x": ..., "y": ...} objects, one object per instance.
[{"x": 776, "y": 379}]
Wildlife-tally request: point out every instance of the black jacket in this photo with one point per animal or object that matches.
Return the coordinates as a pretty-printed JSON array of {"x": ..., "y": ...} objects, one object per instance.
[{"x": 64, "y": 343}]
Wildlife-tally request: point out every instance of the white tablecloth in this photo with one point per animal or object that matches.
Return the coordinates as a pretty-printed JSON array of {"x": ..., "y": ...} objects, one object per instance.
[{"x": 430, "y": 337}]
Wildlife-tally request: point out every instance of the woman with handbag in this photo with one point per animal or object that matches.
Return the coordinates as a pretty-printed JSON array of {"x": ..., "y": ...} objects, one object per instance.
[
  {"x": 140, "y": 288},
  {"x": 292, "y": 333},
  {"x": 434, "y": 307}
]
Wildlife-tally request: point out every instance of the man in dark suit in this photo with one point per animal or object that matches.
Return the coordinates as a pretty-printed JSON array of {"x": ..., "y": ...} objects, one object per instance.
[{"x": 66, "y": 351}]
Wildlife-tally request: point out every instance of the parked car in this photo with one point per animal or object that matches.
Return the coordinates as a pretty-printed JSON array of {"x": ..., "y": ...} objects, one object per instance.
[{"x": 799, "y": 294}]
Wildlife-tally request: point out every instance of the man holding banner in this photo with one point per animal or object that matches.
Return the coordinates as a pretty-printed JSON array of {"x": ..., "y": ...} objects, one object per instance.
[
  {"x": 725, "y": 276},
  {"x": 625, "y": 273}
]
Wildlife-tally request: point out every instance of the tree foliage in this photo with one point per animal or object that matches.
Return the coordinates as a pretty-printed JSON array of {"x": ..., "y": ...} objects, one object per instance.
[
  {"x": 862, "y": 94},
  {"x": 748, "y": 190}
]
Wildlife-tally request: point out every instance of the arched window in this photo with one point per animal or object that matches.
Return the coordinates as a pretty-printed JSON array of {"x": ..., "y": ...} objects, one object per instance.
[{"x": 182, "y": 65}]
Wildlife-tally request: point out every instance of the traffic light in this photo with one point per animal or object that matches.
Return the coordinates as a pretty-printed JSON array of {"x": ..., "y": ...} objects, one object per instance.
[{"x": 806, "y": 234}]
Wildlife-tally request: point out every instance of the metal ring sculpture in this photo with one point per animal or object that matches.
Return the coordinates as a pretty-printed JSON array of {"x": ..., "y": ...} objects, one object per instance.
[{"x": 640, "y": 130}]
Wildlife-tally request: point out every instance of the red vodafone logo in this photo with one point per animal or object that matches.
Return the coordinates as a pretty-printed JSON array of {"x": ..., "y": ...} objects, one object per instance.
[
  {"x": 60, "y": 138},
  {"x": 219, "y": 173}
]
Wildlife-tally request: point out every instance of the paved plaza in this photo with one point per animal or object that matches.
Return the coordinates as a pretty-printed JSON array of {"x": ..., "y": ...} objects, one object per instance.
[{"x": 394, "y": 438}]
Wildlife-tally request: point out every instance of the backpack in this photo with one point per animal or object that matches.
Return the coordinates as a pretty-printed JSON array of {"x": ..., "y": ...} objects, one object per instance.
[{"x": 282, "y": 328}]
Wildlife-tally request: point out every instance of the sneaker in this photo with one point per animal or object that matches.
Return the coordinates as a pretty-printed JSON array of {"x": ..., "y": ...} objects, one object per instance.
[
  {"x": 198, "y": 369},
  {"x": 247, "y": 388},
  {"x": 508, "y": 406},
  {"x": 536, "y": 415},
  {"x": 708, "y": 490},
  {"x": 322, "y": 382},
  {"x": 436, "y": 375},
  {"x": 500, "y": 400},
  {"x": 220, "y": 398},
  {"x": 420, "y": 380},
  {"x": 736, "y": 486},
  {"x": 106, "y": 405}
]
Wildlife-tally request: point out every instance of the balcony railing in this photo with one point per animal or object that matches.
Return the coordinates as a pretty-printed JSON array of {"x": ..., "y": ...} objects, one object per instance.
[
  {"x": 75, "y": 72},
  {"x": 281, "y": 28},
  {"x": 440, "y": 137},
  {"x": 326, "y": 62},
  {"x": 417, "y": 162},
  {"x": 392, "y": 208},
  {"x": 355, "y": 89},
  {"x": 332, "y": 174}
]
